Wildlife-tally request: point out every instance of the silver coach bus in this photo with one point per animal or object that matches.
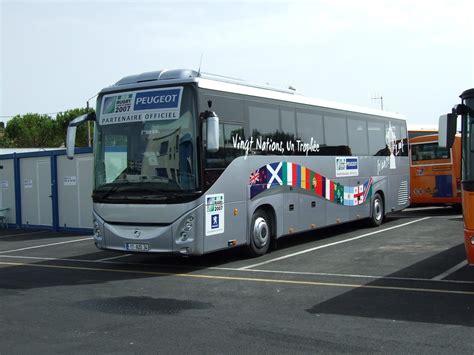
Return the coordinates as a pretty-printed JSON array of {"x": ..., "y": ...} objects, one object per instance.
[{"x": 191, "y": 163}]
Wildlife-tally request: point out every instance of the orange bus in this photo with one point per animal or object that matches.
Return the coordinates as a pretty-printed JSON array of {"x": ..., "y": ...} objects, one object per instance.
[
  {"x": 421, "y": 130},
  {"x": 447, "y": 131},
  {"x": 435, "y": 172}
]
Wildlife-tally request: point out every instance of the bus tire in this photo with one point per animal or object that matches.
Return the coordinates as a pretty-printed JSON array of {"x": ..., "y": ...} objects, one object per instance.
[
  {"x": 377, "y": 211},
  {"x": 260, "y": 234}
]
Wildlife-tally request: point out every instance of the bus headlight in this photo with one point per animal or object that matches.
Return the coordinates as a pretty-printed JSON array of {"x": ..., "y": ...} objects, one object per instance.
[
  {"x": 188, "y": 224},
  {"x": 472, "y": 239},
  {"x": 184, "y": 234},
  {"x": 97, "y": 229}
]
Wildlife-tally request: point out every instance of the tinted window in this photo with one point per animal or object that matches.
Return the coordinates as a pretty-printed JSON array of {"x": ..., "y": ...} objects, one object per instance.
[
  {"x": 227, "y": 152},
  {"x": 358, "y": 136},
  {"x": 288, "y": 123},
  {"x": 164, "y": 148},
  {"x": 377, "y": 144},
  {"x": 335, "y": 134},
  {"x": 263, "y": 120},
  {"x": 310, "y": 126},
  {"x": 232, "y": 132},
  {"x": 402, "y": 139},
  {"x": 227, "y": 108},
  {"x": 428, "y": 151}
]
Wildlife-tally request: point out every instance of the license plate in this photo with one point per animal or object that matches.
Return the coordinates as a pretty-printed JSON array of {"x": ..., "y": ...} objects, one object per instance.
[{"x": 137, "y": 246}]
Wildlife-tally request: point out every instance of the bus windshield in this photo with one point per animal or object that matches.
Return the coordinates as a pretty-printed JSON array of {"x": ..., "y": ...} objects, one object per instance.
[
  {"x": 428, "y": 151},
  {"x": 146, "y": 155}
]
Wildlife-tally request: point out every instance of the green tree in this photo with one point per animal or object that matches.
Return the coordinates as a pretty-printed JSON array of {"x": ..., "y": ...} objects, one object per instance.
[
  {"x": 62, "y": 122},
  {"x": 6, "y": 142},
  {"x": 30, "y": 131},
  {"x": 41, "y": 131}
]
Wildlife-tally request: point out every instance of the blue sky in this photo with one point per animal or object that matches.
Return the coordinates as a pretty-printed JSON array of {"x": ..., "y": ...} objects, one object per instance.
[{"x": 417, "y": 55}]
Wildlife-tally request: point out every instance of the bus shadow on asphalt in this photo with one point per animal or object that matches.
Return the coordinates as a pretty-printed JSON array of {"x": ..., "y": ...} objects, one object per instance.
[
  {"x": 17, "y": 275},
  {"x": 419, "y": 212},
  {"x": 296, "y": 239},
  {"x": 411, "y": 300},
  {"x": 22, "y": 235},
  {"x": 239, "y": 253}
]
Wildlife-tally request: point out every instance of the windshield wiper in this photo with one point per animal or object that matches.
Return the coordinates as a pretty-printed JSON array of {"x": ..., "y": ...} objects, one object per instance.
[
  {"x": 134, "y": 192},
  {"x": 111, "y": 190}
]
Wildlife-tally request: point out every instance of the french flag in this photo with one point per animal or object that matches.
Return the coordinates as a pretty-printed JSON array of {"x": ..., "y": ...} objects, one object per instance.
[{"x": 329, "y": 190}]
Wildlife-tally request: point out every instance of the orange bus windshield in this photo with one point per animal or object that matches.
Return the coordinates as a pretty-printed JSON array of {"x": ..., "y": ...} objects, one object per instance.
[{"x": 435, "y": 172}]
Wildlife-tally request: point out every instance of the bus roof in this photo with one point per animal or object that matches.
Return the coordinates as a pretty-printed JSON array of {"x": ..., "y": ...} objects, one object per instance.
[
  {"x": 232, "y": 85},
  {"x": 422, "y": 128},
  {"x": 429, "y": 138}
]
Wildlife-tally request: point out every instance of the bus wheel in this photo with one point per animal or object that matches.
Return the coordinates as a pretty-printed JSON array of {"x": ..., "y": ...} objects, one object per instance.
[
  {"x": 378, "y": 212},
  {"x": 260, "y": 234}
]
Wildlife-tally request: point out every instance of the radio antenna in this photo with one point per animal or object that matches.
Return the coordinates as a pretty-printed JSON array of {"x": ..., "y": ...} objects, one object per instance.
[
  {"x": 200, "y": 62},
  {"x": 381, "y": 100}
]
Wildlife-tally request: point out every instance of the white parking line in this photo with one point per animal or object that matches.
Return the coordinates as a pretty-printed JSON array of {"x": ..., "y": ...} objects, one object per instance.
[
  {"x": 409, "y": 209},
  {"x": 450, "y": 271},
  {"x": 282, "y": 272},
  {"x": 46, "y": 245},
  {"x": 331, "y": 244},
  {"x": 114, "y": 257},
  {"x": 101, "y": 261},
  {"x": 240, "y": 279},
  {"x": 355, "y": 276}
]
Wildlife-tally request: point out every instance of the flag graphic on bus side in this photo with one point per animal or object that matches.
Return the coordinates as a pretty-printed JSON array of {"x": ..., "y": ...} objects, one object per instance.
[{"x": 290, "y": 174}]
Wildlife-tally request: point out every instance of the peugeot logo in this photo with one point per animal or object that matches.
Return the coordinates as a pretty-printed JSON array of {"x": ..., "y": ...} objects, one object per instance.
[{"x": 137, "y": 233}]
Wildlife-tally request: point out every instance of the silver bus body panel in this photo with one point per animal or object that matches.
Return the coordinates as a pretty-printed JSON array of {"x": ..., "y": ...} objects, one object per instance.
[
  {"x": 239, "y": 209},
  {"x": 303, "y": 216},
  {"x": 144, "y": 214},
  {"x": 160, "y": 238},
  {"x": 295, "y": 209}
]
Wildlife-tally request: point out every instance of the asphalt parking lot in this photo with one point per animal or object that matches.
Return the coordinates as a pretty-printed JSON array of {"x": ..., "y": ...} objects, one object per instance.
[{"x": 402, "y": 287}]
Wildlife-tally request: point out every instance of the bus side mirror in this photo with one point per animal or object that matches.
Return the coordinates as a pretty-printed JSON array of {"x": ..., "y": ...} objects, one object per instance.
[
  {"x": 71, "y": 141},
  {"x": 471, "y": 134},
  {"x": 212, "y": 134},
  {"x": 447, "y": 130},
  {"x": 71, "y": 132}
]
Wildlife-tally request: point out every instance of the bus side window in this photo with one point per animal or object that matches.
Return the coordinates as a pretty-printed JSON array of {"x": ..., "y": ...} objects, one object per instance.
[
  {"x": 404, "y": 138},
  {"x": 470, "y": 135},
  {"x": 401, "y": 140},
  {"x": 377, "y": 144},
  {"x": 215, "y": 160},
  {"x": 310, "y": 129},
  {"x": 233, "y": 133},
  {"x": 229, "y": 132},
  {"x": 288, "y": 129},
  {"x": 264, "y": 123},
  {"x": 288, "y": 123},
  {"x": 335, "y": 133},
  {"x": 358, "y": 136}
]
